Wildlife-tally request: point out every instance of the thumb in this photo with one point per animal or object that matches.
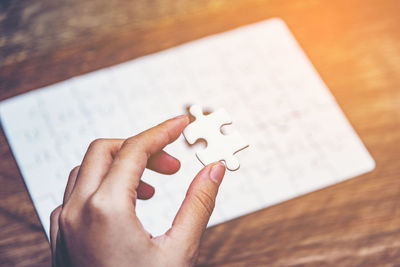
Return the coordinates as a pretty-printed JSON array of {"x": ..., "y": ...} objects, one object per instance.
[{"x": 195, "y": 211}]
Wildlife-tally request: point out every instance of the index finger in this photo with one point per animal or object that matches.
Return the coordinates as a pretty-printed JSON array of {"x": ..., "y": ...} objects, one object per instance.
[{"x": 129, "y": 163}]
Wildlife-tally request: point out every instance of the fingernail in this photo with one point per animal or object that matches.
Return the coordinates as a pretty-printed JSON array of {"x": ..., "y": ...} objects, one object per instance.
[{"x": 217, "y": 172}]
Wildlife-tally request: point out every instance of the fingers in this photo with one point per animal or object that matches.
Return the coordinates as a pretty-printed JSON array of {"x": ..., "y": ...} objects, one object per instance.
[
  {"x": 160, "y": 162},
  {"x": 192, "y": 217},
  {"x": 163, "y": 162},
  {"x": 70, "y": 184},
  {"x": 55, "y": 215},
  {"x": 54, "y": 229},
  {"x": 145, "y": 191},
  {"x": 129, "y": 163},
  {"x": 94, "y": 167},
  {"x": 125, "y": 160}
]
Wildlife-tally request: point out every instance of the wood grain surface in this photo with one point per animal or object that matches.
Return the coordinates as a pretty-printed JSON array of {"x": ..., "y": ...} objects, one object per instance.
[{"x": 355, "y": 46}]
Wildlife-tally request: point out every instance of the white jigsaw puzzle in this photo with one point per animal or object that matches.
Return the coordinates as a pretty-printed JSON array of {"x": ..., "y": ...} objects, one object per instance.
[{"x": 219, "y": 146}]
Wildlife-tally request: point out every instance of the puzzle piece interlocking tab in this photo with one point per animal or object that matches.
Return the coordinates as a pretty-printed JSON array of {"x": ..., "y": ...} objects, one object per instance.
[{"x": 219, "y": 146}]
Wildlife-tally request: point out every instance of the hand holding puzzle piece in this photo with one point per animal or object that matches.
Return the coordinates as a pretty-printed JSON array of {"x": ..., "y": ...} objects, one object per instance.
[{"x": 219, "y": 146}]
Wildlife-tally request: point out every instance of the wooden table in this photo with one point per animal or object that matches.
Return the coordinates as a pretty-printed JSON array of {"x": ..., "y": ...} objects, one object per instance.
[{"x": 355, "y": 46}]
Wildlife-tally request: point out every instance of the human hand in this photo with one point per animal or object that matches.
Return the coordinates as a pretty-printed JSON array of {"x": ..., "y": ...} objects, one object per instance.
[{"x": 97, "y": 226}]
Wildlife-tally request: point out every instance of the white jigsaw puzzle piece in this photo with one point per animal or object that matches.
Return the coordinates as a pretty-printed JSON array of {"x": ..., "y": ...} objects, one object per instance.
[{"x": 219, "y": 146}]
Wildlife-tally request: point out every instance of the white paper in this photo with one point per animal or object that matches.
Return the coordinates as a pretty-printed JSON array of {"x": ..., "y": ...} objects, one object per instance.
[{"x": 299, "y": 138}]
